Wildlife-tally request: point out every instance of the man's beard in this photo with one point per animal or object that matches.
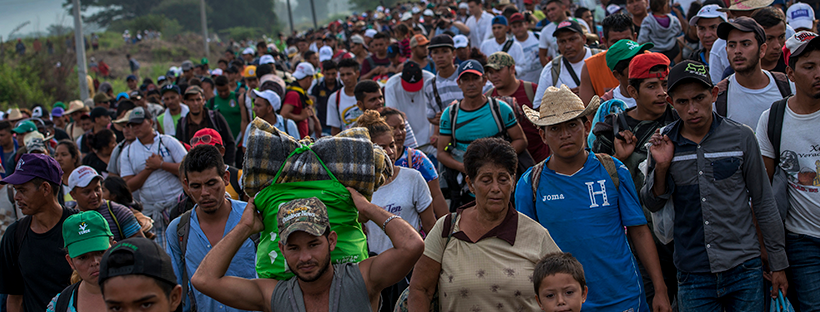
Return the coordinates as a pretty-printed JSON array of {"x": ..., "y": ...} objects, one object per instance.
[
  {"x": 319, "y": 274},
  {"x": 750, "y": 68}
]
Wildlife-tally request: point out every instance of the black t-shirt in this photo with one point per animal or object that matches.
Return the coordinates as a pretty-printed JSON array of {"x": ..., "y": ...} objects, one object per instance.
[
  {"x": 60, "y": 134},
  {"x": 94, "y": 161},
  {"x": 40, "y": 272}
]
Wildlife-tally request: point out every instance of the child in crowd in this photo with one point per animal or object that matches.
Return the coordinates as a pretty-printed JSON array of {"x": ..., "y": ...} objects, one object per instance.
[
  {"x": 559, "y": 283},
  {"x": 662, "y": 28},
  {"x": 403, "y": 34}
]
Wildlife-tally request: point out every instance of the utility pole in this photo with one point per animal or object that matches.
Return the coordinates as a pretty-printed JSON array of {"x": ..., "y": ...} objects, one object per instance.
[
  {"x": 80, "y": 50},
  {"x": 290, "y": 16},
  {"x": 313, "y": 11},
  {"x": 204, "y": 27}
]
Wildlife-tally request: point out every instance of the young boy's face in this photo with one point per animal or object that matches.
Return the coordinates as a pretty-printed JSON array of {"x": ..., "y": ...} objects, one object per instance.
[
  {"x": 561, "y": 292},
  {"x": 139, "y": 293}
]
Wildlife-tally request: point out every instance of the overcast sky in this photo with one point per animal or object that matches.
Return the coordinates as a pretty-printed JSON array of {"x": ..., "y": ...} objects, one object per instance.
[{"x": 41, "y": 14}]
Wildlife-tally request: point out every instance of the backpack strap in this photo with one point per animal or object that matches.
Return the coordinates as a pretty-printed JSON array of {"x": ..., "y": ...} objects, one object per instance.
[
  {"x": 556, "y": 70},
  {"x": 65, "y": 297},
  {"x": 338, "y": 99},
  {"x": 782, "y": 82},
  {"x": 720, "y": 102},
  {"x": 489, "y": 93},
  {"x": 609, "y": 165},
  {"x": 530, "y": 91},
  {"x": 116, "y": 222},
  {"x": 496, "y": 111},
  {"x": 183, "y": 228},
  {"x": 507, "y": 45},
  {"x": 234, "y": 179},
  {"x": 535, "y": 178},
  {"x": 435, "y": 94},
  {"x": 774, "y": 128},
  {"x": 453, "y": 115}
]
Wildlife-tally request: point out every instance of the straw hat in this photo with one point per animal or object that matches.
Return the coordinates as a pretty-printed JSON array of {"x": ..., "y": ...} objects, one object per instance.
[
  {"x": 14, "y": 115},
  {"x": 560, "y": 105},
  {"x": 74, "y": 106},
  {"x": 746, "y": 5}
]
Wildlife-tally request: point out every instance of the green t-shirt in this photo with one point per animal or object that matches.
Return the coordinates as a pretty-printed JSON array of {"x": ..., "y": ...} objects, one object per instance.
[
  {"x": 231, "y": 110},
  {"x": 176, "y": 118}
]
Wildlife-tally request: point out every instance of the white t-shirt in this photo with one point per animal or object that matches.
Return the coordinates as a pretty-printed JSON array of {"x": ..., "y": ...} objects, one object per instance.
[
  {"x": 412, "y": 104},
  {"x": 530, "y": 65},
  {"x": 407, "y": 196},
  {"x": 801, "y": 161},
  {"x": 564, "y": 78},
  {"x": 547, "y": 41},
  {"x": 481, "y": 29},
  {"x": 347, "y": 106},
  {"x": 491, "y": 46},
  {"x": 745, "y": 105},
  {"x": 616, "y": 94},
  {"x": 161, "y": 185}
]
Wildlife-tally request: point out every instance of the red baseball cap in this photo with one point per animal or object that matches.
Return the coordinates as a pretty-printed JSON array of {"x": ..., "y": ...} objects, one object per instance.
[
  {"x": 516, "y": 17},
  {"x": 412, "y": 78},
  {"x": 527, "y": 1},
  {"x": 641, "y": 63},
  {"x": 206, "y": 136}
]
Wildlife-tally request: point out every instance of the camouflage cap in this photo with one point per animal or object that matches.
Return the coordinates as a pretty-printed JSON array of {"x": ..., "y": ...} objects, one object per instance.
[
  {"x": 499, "y": 60},
  {"x": 305, "y": 214}
]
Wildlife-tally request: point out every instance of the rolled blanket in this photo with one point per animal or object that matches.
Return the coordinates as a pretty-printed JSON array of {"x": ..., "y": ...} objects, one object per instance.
[{"x": 350, "y": 156}]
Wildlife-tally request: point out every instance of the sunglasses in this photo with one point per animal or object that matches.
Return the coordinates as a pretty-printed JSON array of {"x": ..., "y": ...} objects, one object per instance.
[{"x": 203, "y": 139}]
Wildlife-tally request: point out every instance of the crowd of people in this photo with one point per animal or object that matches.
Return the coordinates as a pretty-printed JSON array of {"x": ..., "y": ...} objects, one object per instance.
[{"x": 638, "y": 156}]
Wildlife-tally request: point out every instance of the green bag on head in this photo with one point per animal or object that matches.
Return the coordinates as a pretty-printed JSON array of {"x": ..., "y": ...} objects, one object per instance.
[{"x": 351, "y": 245}]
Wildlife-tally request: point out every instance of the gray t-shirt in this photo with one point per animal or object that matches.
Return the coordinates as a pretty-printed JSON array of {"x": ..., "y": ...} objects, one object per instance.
[{"x": 348, "y": 292}]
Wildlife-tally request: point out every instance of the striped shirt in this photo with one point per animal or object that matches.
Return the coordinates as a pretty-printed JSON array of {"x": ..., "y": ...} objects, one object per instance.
[
  {"x": 448, "y": 92},
  {"x": 123, "y": 220}
]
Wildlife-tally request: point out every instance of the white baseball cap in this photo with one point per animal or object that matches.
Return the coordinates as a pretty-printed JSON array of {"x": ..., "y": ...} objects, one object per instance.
[
  {"x": 325, "y": 53},
  {"x": 216, "y": 72},
  {"x": 406, "y": 16},
  {"x": 460, "y": 41},
  {"x": 415, "y": 10},
  {"x": 800, "y": 15},
  {"x": 303, "y": 70},
  {"x": 82, "y": 176},
  {"x": 248, "y": 51},
  {"x": 272, "y": 98},
  {"x": 370, "y": 33},
  {"x": 266, "y": 59},
  {"x": 613, "y": 8},
  {"x": 463, "y": 5},
  {"x": 708, "y": 11},
  {"x": 428, "y": 12}
]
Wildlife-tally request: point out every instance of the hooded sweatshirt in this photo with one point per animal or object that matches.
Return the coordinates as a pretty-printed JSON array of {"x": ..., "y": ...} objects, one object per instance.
[{"x": 663, "y": 37}]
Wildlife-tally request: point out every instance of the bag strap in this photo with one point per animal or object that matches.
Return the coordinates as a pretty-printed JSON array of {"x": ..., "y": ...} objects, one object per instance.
[
  {"x": 65, "y": 297},
  {"x": 571, "y": 71},
  {"x": 116, "y": 222},
  {"x": 496, "y": 111},
  {"x": 556, "y": 70},
  {"x": 183, "y": 228},
  {"x": 507, "y": 45},
  {"x": 489, "y": 93},
  {"x": 234, "y": 172},
  {"x": 609, "y": 165},
  {"x": 530, "y": 91},
  {"x": 782, "y": 82},
  {"x": 774, "y": 128},
  {"x": 338, "y": 99},
  {"x": 453, "y": 115},
  {"x": 300, "y": 150},
  {"x": 435, "y": 94},
  {"x": 723, "y": 93},
  {"x": 535, "y": 178}
]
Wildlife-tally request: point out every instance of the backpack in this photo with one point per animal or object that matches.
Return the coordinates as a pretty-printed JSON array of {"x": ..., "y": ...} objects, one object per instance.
[
  {"x": 66, "y": 295},
  {"x": 535, "y": 175},
  {"x": 780, "y": 180},
  {"x": 780, "y": 80},
  {"x": 183, "y": 228},
  {"x": 556, "y": 68}
]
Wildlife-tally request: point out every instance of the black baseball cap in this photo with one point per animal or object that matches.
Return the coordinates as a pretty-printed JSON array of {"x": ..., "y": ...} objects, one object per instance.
[
  {"x": 744, "y": 24},
  {"x": 568, "y": 25},
  {"x": 441, "y": 41},
  {"x": 688, "y": 70},
  {"x": 149, "y": 259},
  {"x": 170, "y": 88},
  {"x": 412, "y": 79}
]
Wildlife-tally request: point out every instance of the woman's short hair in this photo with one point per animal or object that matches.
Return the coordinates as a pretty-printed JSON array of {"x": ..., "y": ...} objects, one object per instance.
[{"x": 490, "y": 151}]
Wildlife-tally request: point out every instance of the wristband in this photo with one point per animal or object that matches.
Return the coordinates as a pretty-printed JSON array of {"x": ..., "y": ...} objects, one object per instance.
[{"x": 388, "y": 221}]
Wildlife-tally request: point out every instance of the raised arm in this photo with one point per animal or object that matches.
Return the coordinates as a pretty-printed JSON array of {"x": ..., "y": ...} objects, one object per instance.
[
  {"x": 390, "y": 266},
  {"x": 239, "y": 293}
]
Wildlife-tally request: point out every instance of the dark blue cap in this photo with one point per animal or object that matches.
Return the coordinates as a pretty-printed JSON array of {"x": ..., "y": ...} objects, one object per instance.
[
  {"x": 170, "y": 88},
  {"x": 32, "y": 166},
  {"x": 470, "y": 66},
  {"x": 131, "y": 77},
  {"x": 500, "y": 20}
]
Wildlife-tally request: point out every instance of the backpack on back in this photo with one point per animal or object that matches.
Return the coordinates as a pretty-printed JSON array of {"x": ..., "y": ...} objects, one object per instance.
[{"x": 780, "y": 179}]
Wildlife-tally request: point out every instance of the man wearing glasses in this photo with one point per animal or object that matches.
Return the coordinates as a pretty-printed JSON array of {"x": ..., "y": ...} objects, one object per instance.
[
  {"x": 200, "y": 117},
  {"x": 151, "y": 165}
]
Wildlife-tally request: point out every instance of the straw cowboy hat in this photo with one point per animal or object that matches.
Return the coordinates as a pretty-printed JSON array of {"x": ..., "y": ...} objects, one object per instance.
[
  {"x": 560, "y": 105},
  {"x": 76, "y": 105},
  {"x": 746, "y": 5},
  {"x": 15, "y": 115}
]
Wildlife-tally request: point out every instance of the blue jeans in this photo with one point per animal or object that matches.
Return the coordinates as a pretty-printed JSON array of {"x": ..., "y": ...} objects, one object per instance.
[
  {"x": 738, "y": 289},
  {"x": 804, "y": 264}
]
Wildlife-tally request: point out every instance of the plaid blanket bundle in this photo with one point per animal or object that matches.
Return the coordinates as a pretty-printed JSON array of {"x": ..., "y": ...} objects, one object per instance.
[{"x": 350, "y": 156}]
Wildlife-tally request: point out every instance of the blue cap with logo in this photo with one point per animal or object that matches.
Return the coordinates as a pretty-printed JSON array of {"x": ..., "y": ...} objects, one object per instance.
[{"x": 470, "y": 66}]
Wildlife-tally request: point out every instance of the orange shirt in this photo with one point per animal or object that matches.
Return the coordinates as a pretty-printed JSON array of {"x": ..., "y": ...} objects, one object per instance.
[{"x": 600, "y": 75}]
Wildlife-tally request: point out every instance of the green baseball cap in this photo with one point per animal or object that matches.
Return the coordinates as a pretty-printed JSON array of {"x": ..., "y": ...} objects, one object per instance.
[
  {"x": 499, "y": 60},
  {"x": 85, "y": 232},
  {"x": 305, "y": 214},
  {"x": 59, "y": 104},
  {"x": 204, "y": 61},
  {"x": 624, "y": 49},
  {"x": 25, "y": 127}
]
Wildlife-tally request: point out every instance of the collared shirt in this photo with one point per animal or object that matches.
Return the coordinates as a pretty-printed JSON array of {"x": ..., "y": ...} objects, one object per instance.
[
  {"x": 242, "y": 265},
  {"x": 495, "y": 270},
  {"x": 586, "y": 215},
  {"x": 712, "y": 183},
  {"x": 193, "y": 127}
]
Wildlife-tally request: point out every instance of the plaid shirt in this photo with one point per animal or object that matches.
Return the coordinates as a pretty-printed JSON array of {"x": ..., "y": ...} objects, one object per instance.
[{"x": 350, "y": 156}]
